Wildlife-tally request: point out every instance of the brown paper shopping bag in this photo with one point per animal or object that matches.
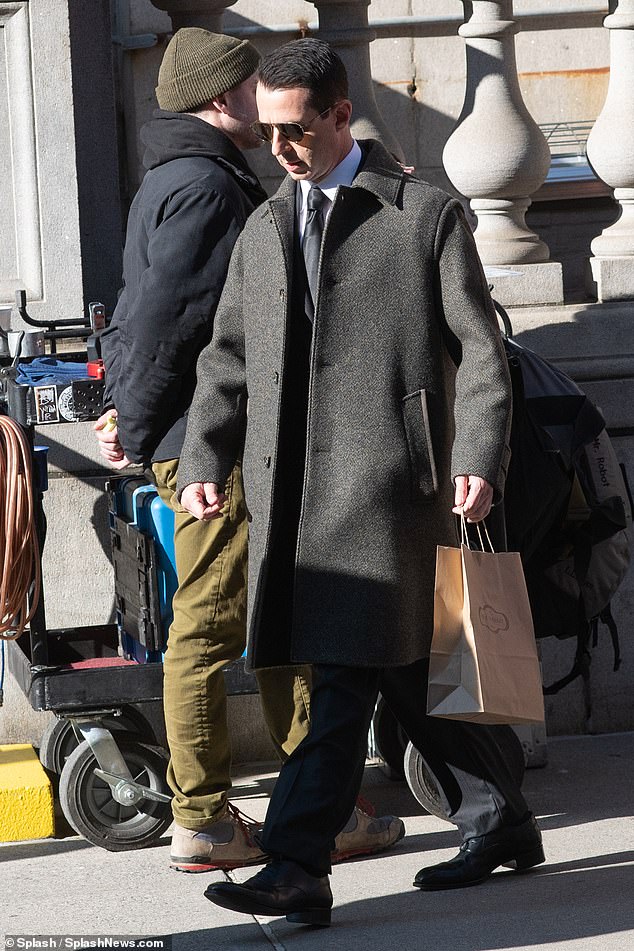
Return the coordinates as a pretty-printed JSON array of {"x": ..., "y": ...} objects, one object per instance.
[{"x": 483, "y": 665}]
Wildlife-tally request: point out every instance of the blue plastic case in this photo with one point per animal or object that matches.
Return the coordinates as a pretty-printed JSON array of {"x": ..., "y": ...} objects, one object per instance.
[{"x": 142, "y": 530}]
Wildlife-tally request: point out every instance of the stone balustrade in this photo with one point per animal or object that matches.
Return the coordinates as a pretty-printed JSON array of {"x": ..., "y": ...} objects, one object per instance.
[
  {"x": 204, "y": 13},
  {"x": 611, "y": 154},
  {"x": 497, "y": 156}
]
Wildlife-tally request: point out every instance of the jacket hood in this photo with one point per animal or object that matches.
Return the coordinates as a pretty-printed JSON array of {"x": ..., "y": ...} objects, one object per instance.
[{"x": 173, "y": 135}]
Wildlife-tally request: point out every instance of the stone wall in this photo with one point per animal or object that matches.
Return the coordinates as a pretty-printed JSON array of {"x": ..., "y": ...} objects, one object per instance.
[{"x": 59, "y": 193}]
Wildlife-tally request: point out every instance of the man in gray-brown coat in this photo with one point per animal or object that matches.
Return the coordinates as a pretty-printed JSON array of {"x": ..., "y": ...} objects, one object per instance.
[{"x": 378, "y": 402}]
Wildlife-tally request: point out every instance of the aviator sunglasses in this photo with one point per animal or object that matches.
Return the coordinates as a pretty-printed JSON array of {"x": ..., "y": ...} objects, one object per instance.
[{"x": 293, "y": 131}]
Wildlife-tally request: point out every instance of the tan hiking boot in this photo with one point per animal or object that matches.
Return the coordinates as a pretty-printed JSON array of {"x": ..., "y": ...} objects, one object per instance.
[
  {"x": 224, "y": 844},
  {"x": 365, "y": 834}
]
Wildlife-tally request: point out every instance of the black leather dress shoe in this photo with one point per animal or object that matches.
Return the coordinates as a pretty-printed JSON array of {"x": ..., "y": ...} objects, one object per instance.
[
  {"x": 280, "y": 888},
  {"x": 519, "y": 847}
]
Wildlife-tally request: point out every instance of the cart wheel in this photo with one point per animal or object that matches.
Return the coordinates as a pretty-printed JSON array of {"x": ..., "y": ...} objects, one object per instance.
[
  {"x": 390, "y": 738},
  {"x": 59, "y": 739},
  {"x": 58, "y": 742},
  {"x": 423, "y": 785},
  {"x": 89, "y": 807}
]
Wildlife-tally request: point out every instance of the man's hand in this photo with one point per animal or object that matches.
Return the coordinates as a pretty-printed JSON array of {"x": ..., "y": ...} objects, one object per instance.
[
  {"x": 203, "y": 500},
  {"x": 473, "y": 498},
  {"x": 109, "y": 445}
]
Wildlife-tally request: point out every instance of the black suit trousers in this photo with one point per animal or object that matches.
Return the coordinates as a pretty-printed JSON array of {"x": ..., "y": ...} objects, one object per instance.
[{"x": 317, "y": 787}]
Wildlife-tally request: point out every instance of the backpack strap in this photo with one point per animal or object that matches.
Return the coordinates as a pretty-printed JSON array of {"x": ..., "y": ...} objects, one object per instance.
[
  {"x": 581, "y": 665},
  {"x": 607, "y": 618},
  {"x": 587, "y": 630}
]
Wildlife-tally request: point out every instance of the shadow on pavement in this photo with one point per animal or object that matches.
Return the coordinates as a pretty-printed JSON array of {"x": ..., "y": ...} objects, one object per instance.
[
  {"x": 42, "y": 847},
  {"x": 561, "y": 903}
]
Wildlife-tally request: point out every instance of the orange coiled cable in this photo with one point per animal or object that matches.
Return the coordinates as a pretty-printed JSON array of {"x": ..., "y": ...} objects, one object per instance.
[{"x": 19, "y": 549}]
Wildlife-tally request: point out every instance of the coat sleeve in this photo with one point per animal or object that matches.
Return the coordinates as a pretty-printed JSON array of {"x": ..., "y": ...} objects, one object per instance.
[
  {"x": 171, "y": 317},
  {"x": 111, "y": 353},
  {"x": 482, "y": 406},
  {"x": 217, "y": 419}
]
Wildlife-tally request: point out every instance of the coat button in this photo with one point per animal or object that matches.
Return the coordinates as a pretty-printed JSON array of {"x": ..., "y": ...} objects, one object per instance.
[
  {"x": 267, "y": 462},
  {"x": 276, "y": 378},
  {"x": 282, "y": 293}
]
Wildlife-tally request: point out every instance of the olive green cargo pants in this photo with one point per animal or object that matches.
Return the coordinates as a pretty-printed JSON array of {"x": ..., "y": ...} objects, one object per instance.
[{"x": 209, "y": 631}]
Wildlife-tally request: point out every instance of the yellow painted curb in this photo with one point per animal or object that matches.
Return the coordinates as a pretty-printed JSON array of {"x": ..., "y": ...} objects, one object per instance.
[{"x": 26, "y": 796}]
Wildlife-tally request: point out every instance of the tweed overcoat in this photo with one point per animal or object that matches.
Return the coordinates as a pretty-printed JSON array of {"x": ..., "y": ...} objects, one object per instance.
[{"x": 408, "y": 387}]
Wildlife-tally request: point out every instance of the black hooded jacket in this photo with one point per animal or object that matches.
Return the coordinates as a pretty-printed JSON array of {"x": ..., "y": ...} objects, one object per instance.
[{"x": 184, "y": 221}]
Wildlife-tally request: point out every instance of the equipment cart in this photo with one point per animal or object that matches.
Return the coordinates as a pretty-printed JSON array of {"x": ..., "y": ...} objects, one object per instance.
[{"x": 104, "y": 683}]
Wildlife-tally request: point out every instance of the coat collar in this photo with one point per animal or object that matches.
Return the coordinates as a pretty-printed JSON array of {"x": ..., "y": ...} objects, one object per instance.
[{"x": 379, "y": 173}]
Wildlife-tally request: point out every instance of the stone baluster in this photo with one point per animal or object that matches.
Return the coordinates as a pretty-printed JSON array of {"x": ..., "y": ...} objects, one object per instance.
[
  {"x": 611, "y": 154},
  {"x": 204, "y": 13},
  {"x": 497, "y": 157},
  {"x": 344, "y": 24}
]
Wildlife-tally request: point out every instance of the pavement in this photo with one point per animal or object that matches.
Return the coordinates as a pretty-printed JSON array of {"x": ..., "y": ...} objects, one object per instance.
[{"x": 582, "y": 899}]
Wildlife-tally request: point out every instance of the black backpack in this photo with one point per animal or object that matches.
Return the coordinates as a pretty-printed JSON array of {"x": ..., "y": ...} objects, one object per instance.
[{"x": 567, "y": 505}]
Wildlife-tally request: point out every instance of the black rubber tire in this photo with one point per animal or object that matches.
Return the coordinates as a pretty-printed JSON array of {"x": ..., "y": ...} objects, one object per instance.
[
  {"x": 59, "y": 740},
  {"x": 390, "y": 739},
  {"x": 87, "y": 802},
  {"x": 423, "y": 784}
]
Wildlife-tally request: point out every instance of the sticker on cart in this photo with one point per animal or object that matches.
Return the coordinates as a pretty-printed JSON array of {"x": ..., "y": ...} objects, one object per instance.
[
  {"x": 67, "y": 405},
  {"x": 46, "y": 404}
]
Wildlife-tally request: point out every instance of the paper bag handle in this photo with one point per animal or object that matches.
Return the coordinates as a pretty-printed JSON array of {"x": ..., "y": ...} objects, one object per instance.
[{"x": 465, "y": 534}]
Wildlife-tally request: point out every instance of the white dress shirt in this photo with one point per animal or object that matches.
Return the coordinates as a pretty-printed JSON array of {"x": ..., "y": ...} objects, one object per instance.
[{"x": 342, "y": 174}]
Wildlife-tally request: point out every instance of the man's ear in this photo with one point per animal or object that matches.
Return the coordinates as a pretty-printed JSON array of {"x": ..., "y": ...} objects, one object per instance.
[
  {"x": 220, "y": 103},
  {"x": 343, "y": 113}
]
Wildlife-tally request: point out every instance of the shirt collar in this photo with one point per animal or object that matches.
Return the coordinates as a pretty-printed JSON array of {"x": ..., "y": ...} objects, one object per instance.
[{"x": 342, "y": 174}]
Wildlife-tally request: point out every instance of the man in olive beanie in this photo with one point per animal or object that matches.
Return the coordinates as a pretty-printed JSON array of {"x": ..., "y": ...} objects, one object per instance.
[
  {"x": 199, "y": 67},
  {"x": 194, "y": 200}
]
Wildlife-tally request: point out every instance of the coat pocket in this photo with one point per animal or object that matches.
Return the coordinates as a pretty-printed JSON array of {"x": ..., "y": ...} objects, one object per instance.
[{"x": 424, "y": 476}]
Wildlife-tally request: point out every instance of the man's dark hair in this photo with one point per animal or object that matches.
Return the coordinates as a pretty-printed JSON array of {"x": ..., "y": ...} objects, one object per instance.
[{"x": 306, "y": 64}]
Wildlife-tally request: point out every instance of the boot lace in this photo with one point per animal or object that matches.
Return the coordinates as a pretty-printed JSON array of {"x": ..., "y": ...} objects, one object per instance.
[
  {"x": 365, "y": 806},
  {"x": 249, "y": 826}
]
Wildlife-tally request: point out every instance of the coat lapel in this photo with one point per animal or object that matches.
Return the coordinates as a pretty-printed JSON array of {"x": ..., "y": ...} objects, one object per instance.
[{"x": 282, "y": 207}]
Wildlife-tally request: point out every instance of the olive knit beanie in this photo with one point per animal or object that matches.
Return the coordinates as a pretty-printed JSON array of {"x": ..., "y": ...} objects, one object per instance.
[{"x": 198, "y": 66}]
